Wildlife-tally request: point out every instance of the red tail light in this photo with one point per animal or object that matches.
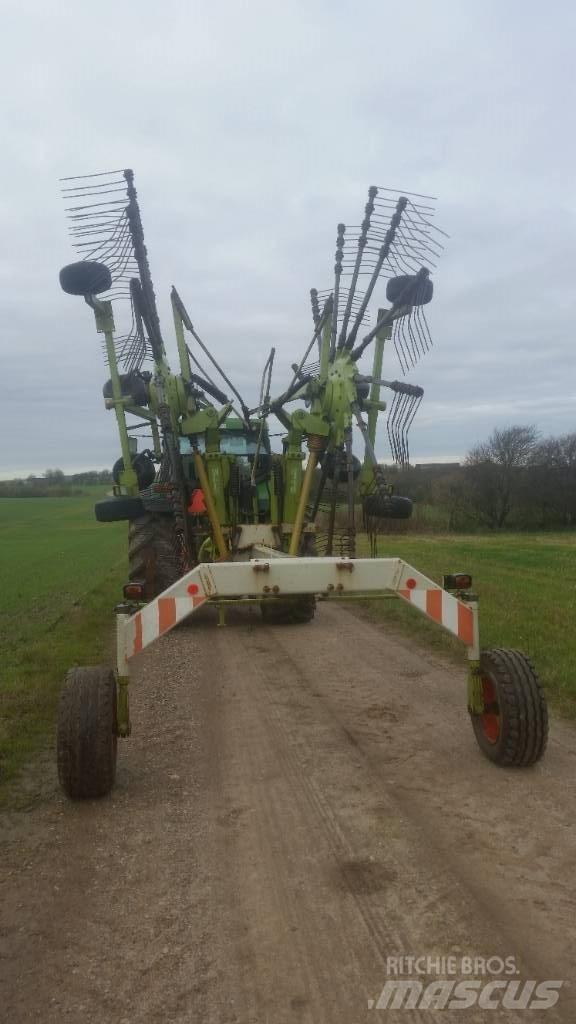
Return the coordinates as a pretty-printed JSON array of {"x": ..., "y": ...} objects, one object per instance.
[{"x": 458, "y": 581}]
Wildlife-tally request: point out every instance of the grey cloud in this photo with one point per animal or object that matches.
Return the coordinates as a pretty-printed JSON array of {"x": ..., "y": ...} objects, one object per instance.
[{"x": 253, "y": 129}]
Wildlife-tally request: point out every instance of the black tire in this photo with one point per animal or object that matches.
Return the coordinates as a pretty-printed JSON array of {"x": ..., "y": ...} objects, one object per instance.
[
  {"x": 85, "y": 278},
  {"x": 115, "y": 510},
  {"x": 280, "y": 611},
  {"x": 143, "y": 467},
  {"x": 409, "y": 290},
  {"x": 513, "y": 728},
  {"x": 152, "y": 554},
  {"x": 87, "y": 733},
  {"x": 134, "y": 385},
  {"x": 385, "y": 506}
]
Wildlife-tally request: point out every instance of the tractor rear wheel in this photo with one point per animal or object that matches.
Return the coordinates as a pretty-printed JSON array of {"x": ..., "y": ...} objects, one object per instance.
[
  {"x": 152, "y": 554},
  {"x": 87, "y": 733},
  {"x": 512, "y": 729},
  {"x": 279, "y": 611}
]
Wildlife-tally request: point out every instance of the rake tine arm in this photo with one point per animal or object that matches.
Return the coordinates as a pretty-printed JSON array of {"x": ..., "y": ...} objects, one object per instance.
[
  {"x": 362, "y": 240},
  {"x": 291, "y": 393},
  {"x": 382, "y": 257},
  {"x": 315, "y": 305},
  {"x": 315, "y": 337},
  {"x": 337, "y": 276},
  {"x": 364, "y": 431},
  {"x": 183, "y": 313}
]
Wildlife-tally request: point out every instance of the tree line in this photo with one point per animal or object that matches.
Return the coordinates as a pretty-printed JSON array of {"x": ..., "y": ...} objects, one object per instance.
[
  {"x": 53, "y": 483},
  {"x": 514, "y": 479}
]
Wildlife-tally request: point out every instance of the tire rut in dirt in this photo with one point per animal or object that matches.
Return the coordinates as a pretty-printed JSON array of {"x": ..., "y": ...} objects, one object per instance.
[
  {"x": 329, "y": 795},
  {"x": 372, "y": 882}
]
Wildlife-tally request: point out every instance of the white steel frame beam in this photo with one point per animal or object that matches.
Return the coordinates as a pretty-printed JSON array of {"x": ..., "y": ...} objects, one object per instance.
[{"x": 274, "y": 575}]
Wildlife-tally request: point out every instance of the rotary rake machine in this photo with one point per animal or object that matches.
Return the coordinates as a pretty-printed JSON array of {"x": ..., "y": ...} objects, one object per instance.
[{"x": 216, "y": 516}]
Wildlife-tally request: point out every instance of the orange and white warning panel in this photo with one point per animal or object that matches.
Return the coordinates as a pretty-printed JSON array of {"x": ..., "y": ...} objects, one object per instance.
[
  {"x": 458, "y": 617},
  {"x": 277, "y": 576}
]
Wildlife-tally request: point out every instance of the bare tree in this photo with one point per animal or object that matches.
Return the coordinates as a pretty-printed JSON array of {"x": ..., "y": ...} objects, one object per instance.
[
  {"x": 551, "y": 482},
  {"x": 54, "y": 476},
  {"x": 494, "y": 473}
]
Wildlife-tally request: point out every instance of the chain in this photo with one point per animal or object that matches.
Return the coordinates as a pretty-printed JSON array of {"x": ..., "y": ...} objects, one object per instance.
[{"x": 177, "y": 489}]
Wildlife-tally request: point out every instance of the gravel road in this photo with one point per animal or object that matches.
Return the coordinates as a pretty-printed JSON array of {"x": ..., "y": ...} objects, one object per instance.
[{"x": 296, "y": 806}]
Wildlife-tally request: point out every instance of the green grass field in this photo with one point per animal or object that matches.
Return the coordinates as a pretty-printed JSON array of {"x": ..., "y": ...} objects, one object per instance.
[
  {"x": 527, "y": 589},
  {"x": 61, "y": 574}
]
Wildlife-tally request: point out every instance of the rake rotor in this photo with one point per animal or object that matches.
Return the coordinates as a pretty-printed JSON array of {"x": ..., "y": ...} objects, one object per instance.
[
  {"x": 397, "y": 243},
  {"x": 106, "y": 227}
]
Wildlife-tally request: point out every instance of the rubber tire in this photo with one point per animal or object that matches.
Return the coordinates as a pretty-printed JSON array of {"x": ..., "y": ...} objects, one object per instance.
[
  {"x": 132, "y": 385},
  {"x": 85, "y": 278},
  {"x": 522, "y": 707},
  {"x": 152, "y": 556},
  {"x": 408, "y": 290},
  {"x": 86, "y": 740},
  {"x": 279, "y": 611},
  {"x": 143, "y": 467},
  {"x": 387, "y": 506},
  {"x": 115, "y": 510}
]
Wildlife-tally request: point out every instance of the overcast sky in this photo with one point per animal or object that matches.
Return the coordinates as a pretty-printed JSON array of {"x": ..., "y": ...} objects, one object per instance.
[{"x": 253, "y": 128}]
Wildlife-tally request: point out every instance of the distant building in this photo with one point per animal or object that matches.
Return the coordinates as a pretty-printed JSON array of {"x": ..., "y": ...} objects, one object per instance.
[{"x": 437, "y": 467}]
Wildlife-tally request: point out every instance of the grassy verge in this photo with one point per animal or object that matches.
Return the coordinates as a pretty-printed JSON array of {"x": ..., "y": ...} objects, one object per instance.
[
  {"x": 527, "y": 588},
  {"x": 63, "y": 573},
  {"x": 33, "y": 676}
]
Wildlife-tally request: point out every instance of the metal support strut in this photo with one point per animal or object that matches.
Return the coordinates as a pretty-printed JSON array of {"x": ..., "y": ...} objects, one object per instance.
[{"x": 276, "y": 572}]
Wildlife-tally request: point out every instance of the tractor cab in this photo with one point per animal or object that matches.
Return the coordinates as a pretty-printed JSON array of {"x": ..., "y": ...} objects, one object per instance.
[{"x": 246, "y": 463}]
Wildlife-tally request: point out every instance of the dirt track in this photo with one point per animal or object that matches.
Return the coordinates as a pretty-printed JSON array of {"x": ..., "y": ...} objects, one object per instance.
[{"x": 296, "y": 804}]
